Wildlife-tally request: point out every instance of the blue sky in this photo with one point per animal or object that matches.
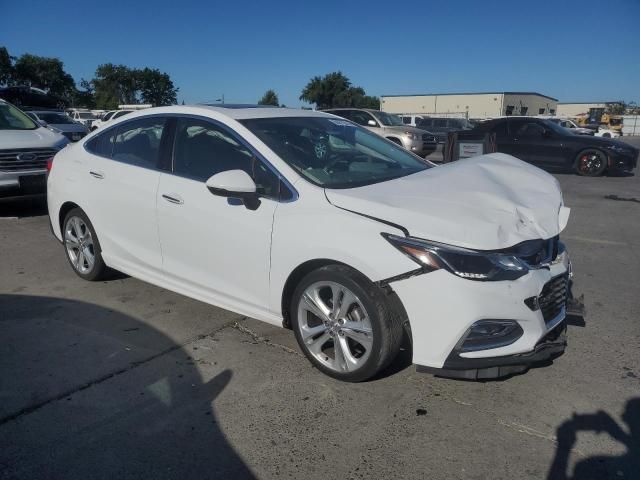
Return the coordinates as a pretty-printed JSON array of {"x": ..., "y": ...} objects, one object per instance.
[{"x": 572, "y": 50}]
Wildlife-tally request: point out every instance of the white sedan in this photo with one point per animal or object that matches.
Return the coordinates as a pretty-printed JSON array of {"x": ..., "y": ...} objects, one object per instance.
[{"x": 355, "y": 249}]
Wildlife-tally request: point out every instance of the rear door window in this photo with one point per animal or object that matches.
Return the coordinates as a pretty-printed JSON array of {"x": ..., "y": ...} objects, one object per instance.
[{"x": 138, "y": 142}]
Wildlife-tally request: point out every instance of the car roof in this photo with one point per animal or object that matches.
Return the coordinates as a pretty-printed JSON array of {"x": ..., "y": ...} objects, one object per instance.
[
  {"x": 372, "y": 110},
  {"x": 237, "y": 112}
]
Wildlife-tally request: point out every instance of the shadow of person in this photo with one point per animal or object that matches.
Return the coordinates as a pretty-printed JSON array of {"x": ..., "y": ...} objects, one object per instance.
[
  {"x": 626, "y": 466},
  {"x": 87, "y": 392}
]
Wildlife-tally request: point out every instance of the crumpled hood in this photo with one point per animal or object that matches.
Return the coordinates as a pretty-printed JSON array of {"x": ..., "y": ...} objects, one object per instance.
[
  {"x": 488, "y": 202},
  {"x": 39, "y": 138}
]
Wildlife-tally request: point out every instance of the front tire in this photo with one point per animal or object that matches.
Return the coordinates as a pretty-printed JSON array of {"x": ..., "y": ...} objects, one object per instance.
[
  {"x": 82, "y": 247},
  {"x": 590, "y": 163},
  {"x": 345, "y": 324}
]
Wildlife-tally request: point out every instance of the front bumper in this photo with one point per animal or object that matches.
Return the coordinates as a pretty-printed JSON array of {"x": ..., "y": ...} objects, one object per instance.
[
  {"x": 623, "y": 162},
  {"x": 28, "y": 182},
  {"x": 550, "y": 347},
  {"x": 442, "y": 307},
  {"x": 421, "y": 148}
]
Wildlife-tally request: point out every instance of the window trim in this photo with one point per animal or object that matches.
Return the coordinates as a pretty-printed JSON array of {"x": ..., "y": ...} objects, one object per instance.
[{"x": 165, "y": 165}]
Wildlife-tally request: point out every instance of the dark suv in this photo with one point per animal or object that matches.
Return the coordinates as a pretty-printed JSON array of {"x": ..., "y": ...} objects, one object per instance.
[
  {"x": 441, "y": 126},
  {"x": 550, "y": 146}
]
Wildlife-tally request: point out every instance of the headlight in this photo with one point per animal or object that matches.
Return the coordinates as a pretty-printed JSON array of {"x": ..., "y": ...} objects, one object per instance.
[
  {"x": 465, "y": 263},
  {"x": 412, "y": 136}
]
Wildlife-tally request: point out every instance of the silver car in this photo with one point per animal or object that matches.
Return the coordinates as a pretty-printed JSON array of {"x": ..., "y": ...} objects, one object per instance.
[
  {"x": 391, "y": 127},
  {"x": 59, "y": 122}
]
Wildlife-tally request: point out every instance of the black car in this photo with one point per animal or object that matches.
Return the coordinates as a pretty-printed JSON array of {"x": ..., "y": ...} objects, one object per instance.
[
  {"x": 552, "y": 147},
  {"x": 28, "y": 97}
]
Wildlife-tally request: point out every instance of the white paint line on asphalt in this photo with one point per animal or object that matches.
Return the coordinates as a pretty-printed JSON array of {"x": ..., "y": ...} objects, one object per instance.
[{"x": 596, "y": 241}]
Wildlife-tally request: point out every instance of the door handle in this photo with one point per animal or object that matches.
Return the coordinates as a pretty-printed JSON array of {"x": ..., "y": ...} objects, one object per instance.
[
  {"x": 173, "y": 199},
  {"x": 96, "y": 175}
]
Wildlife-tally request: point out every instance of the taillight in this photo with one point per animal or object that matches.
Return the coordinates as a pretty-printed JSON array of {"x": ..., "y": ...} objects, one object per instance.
[{"x": 49, "y": 164}]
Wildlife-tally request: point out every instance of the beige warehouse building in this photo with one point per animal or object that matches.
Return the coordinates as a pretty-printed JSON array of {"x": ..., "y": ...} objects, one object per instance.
[{"x": 471, "y": 105}]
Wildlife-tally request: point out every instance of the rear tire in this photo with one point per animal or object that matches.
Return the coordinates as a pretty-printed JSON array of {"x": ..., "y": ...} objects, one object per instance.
[
  {"x": 82, "y": 247},
  {"x": 590, "y": 163},
  {"x": 335, "y": 305}
]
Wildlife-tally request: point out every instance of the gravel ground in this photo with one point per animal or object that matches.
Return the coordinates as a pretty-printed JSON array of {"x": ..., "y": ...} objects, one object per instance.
[{"x": 121, "y": 379}]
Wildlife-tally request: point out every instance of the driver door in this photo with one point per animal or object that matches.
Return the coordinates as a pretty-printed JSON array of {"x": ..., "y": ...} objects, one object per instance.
[
  {"x": 216, "y": 246},
  {"x": 533, "y": 143}
]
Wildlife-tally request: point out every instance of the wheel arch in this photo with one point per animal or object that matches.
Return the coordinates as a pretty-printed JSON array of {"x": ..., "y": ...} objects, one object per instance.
[
  {"x": 394, "y": 140},
  {"x": 65, "y": 208},
  {"x": 303, "y": 269}
]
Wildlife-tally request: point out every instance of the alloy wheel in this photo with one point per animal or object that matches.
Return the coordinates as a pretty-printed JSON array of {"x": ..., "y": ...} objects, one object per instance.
[
  {"x": 334, "y": 326},
  {"x": 79, "y": 244},
  {"x": 591, "y": 162}
]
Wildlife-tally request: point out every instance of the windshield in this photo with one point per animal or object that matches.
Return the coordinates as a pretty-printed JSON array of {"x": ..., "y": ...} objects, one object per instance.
[
  {"x": 556, "y": 128},
  {"x": 389, "y": 119},
  {"x": 54, "y": 118},
  {"x": 334, "y": 153},
  {"x": 85, "y": 115},
  {"x": 13, "y": 119}
]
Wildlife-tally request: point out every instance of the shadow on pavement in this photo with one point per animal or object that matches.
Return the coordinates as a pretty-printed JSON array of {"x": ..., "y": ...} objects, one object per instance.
[
  {"x": 88, "y": 392},
  {"x": 27, "y": 206},
  {"x": 598, "y": 467}
]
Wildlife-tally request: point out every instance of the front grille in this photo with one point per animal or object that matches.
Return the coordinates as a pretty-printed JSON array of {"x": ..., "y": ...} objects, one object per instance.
[
  {"x": 36, "y": 159},
  {"x": 428, "y": 138},
  {"x": 553, "y": 297}
]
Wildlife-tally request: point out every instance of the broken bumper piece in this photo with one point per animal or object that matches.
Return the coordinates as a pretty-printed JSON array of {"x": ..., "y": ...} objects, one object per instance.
[{"x": 455, "y": 366}]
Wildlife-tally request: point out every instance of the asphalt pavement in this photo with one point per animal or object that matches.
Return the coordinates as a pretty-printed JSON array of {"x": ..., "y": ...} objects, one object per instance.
[{"x": 121, "y": 379}]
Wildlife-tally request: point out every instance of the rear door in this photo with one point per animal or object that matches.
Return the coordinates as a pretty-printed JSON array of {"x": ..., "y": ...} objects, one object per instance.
[{"x": 122, "y": 176}]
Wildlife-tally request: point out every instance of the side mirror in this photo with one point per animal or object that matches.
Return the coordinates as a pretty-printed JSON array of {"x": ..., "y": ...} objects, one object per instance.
[
  {"x": 235, "y": 184},
  {"x": 372, "y": 123}
]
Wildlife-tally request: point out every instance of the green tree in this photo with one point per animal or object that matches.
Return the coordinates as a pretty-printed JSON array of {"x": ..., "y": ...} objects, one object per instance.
[
  {"x": 115, "y": 85},
  {"x": 86, "y": 96},
  {"x": 269, "y": 98},
  {"x": 335, "y": 90},
  {"x": 46, "y": 73},
  {"x": 6, "y": 67},
  {"x": 156, "y": 87}
]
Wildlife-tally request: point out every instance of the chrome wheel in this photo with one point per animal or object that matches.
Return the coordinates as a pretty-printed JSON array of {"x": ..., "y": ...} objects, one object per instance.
[
  {"x": 334, "y": 326},
  {"x": 79, "y": 245}
]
